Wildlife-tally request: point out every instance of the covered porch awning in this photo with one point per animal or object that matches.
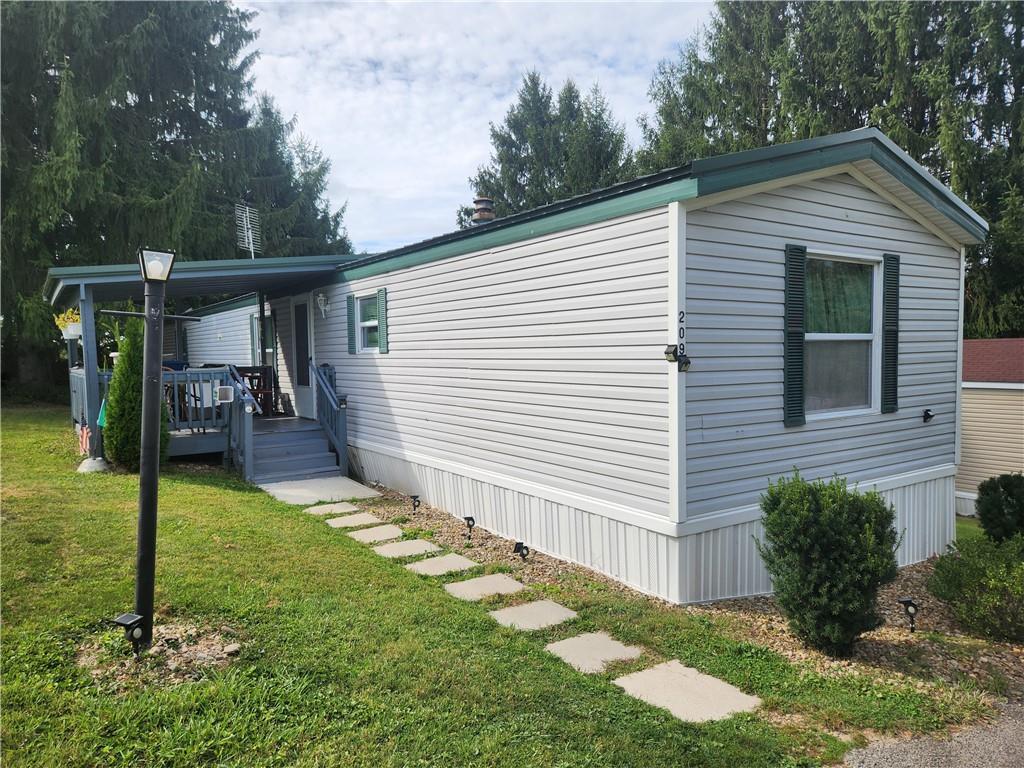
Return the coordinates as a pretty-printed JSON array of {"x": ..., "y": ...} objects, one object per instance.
[{"x": 87, "y": 286}]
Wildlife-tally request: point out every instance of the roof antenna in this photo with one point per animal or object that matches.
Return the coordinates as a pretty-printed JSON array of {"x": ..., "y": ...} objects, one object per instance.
[{"x": 247, "y": 229}]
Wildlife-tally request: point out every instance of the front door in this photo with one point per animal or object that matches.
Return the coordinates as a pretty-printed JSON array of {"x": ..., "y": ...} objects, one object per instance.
[{"x": 301, "y": 344}]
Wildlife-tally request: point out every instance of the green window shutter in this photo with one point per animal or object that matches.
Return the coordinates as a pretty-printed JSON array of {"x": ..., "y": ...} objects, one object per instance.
[
  {"x": 351, "y": 300},
  {"x": 793, "y": 339},
  {"x": 382, "y": 320},
  {"x": 890, "y": 331}
]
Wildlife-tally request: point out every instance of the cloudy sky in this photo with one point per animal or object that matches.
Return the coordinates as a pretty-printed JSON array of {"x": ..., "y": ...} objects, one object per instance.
[{"x": 399, "y": 96}]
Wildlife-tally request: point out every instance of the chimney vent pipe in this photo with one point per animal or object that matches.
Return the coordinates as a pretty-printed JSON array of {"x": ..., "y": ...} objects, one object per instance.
[{"x": 483, "y": 210}]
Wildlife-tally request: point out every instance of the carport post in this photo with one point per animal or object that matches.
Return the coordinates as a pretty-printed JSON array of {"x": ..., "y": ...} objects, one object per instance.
[{"x": 91, "y": 367}]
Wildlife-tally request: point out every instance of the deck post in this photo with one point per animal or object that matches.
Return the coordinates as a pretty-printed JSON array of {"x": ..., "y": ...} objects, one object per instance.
[
  {"x": 261, "y": 300},
  {"x": 248, "y": 468},
  {"x": 91, "y": 368}
]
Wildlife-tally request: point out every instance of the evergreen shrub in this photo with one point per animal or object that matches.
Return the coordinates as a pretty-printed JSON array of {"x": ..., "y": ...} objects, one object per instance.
[{"x": 828, "y": 550}]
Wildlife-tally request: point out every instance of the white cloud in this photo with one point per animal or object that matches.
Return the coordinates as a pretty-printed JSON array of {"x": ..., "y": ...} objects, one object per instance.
[{"x": 399, "y": 96}]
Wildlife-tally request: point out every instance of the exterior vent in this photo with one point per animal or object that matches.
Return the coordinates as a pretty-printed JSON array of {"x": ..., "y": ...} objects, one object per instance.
[{"x": 483, "y": 210}]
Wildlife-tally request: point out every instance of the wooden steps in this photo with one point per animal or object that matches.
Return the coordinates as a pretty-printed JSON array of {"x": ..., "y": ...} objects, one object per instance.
[{"x": 291, "y": 449}]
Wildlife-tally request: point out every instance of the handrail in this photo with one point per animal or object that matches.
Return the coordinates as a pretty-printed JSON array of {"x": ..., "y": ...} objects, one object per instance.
[
  {"x": 330, "y": 412},
  {"x": 323, "y": 385},
  {"x": 238, "y": 381}
]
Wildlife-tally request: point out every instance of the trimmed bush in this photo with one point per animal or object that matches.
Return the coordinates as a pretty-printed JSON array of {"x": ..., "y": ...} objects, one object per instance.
[
  {"x": 983, "y": 583},
  {"x": 122, "y": 435},
  {"x": 1000, "y": 506},
  {"x": 828, "y": 550}
]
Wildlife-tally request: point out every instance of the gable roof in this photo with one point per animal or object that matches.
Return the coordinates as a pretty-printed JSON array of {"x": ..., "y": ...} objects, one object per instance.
[
  {"x": 866, "y": 149},
  {"x": 994, "y": 360}
]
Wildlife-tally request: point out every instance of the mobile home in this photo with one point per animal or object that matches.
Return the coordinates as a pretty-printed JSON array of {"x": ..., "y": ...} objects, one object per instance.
[{"x": 615, "y": 378}]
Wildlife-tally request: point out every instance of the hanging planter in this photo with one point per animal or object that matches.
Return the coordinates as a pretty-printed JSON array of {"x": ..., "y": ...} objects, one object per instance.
[{"x": 70, "y": 323}]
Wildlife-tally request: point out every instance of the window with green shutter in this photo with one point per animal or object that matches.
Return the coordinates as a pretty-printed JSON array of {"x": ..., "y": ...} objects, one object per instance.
[
  {"x": 368, "y": 323},
  {"x": 841, "y": 335}
]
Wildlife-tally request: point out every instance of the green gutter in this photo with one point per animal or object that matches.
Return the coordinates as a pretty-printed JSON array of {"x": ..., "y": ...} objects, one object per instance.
[{"x": 641, "y": 200}]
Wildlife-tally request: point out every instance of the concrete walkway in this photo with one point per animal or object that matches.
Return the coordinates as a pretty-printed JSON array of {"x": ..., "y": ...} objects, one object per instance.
[
  {"x": 684, "y": 692},
  {"x": 317, "y": 489}
]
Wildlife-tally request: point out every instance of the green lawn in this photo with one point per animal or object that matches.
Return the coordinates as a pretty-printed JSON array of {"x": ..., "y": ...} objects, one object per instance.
[
  {"x": 348, "y": 659},
  {"x": 968, "y": 528}
]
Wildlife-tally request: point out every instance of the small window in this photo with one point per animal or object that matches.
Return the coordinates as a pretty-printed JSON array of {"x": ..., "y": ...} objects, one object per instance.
[
  {"x": 369, "y": 323},
  {"x": 840, "y": 340}
]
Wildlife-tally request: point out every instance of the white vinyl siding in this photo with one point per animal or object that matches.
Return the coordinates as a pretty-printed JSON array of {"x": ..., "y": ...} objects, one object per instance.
[
  {"x": 282, "y": 310},
  {"x": 541, "y": 361},
  {"x": 736, "y": 441},
  {"x": 222, "y": 338}
]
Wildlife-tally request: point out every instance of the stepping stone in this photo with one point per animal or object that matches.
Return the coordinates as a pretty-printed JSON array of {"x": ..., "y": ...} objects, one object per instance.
[
  {"x": 380, "y": 533},
  {"x": 686, "y": 693},
  {"x": 483, "y": 586},
  {"x": 313, "y": 490},
  {"x": 439, "y": 566},
  {"x": 341, "y": 508},
  {"x": 353, "y": 521},
  {"x": 536, "y": 615},
  {"x": 406, "y": 548},
  {"x": 593, "y": 651}
]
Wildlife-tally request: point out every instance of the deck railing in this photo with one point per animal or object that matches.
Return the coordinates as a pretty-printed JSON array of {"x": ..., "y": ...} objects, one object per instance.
[
  {"x": 331, "y": 411},
  {"x": 189, "y": 394}
]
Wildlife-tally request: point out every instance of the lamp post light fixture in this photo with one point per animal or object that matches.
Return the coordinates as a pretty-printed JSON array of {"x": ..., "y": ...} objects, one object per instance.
[
  {"x": 156, "y": 269},
  {"x": 910, "y": 608},
  {"x": 470, "y": 522}
]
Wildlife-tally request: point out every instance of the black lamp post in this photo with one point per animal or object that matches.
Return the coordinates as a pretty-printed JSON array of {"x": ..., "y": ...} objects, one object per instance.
[{"x": 156, "y": 269}]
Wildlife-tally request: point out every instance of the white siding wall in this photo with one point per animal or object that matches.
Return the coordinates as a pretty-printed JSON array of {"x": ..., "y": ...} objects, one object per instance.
[
  {"x": 221, "y": 338},
  {"x": 736, "y": 441},
  {"x": 282, "y": 313},
  {"x": 724, "y": 562},
  {"x": 539, "y": 361}
]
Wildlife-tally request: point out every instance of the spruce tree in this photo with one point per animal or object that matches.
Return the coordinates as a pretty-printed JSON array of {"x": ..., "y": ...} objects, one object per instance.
[
  {"x": 944, "y": 80},
  {"x": 550, "y": 148}
]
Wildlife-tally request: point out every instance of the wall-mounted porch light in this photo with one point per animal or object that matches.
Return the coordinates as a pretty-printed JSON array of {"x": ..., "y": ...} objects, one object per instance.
[
  {"x": 673, "y": 355},
  {"x": 323, "y": 303}
]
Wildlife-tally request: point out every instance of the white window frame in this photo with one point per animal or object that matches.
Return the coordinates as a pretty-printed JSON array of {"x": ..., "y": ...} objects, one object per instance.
[
  {"x": 360, "y": 349},
  {"x": 875, "y": 337}
]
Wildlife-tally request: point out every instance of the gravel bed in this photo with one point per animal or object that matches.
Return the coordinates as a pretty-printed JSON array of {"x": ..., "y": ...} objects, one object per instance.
[{"x": 1000, "y": 745}]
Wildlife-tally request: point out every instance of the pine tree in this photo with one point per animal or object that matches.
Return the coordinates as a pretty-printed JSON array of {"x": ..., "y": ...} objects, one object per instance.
[
  {"x": 550, "y": 148},
  {"x": 131, "y": 123},
  {"x": 945, "y": 80}
]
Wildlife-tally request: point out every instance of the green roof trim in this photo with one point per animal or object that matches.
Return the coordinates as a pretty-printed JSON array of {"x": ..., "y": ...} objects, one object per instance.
[
  {"x": 60, "y": 278},
  {"x": 739, "y": 169},
  {"x": 513, "y": 230},
  {"x": 698, "y": 178}
]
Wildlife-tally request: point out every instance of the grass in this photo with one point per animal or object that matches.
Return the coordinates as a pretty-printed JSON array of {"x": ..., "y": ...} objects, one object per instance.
[
  {"x": 968, "y": 528},
  {"x": 348, "y": 659}
]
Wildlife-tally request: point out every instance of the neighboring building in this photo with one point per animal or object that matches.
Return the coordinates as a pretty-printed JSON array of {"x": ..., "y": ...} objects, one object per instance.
[
  {"x": 992, "y": 415},
  {"x": 517, "y": 371}
]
